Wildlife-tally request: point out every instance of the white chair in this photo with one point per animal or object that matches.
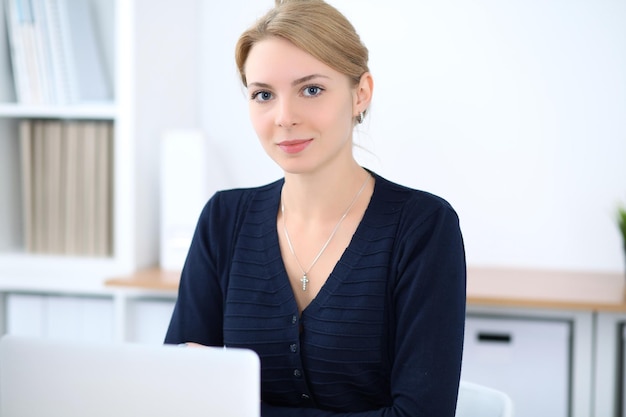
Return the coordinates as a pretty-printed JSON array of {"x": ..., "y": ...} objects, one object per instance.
[{"x": 480, "y": 401}]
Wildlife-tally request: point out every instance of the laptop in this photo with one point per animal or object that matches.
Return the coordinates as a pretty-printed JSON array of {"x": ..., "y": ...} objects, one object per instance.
[{"x": 53, "y": 378}]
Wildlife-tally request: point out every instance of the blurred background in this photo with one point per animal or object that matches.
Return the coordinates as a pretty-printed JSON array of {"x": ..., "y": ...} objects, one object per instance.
[{"x": 119, "y": 119}]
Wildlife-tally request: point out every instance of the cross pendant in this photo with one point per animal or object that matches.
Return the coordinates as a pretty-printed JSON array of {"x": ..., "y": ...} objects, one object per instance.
[{"x": 304, "y": 281}]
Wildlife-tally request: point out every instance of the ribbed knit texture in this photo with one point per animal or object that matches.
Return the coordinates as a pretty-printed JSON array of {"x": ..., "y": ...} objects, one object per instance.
[{"x": 384, "y": 334}]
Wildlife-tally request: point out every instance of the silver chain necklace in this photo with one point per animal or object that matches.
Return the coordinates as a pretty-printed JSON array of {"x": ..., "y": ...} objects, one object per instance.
[{"x": 305, "y": 279}]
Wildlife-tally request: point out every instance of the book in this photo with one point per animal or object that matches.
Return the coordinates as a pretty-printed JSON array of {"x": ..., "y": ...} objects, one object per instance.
[
  {"x": 14, "y": 20},
  {"x": 67, "y": 186},
  {"x": 70, "y": 187},
  {"x": 53, "y": 130},
  {"x": 41, "y": 52},
  {"x": 56, "y": 51},
  {"x": 26, "y": 162},
  {"x": 38, "y": 187},
  {"x": 103, "y": 190},
  {"x": 56, "y": 54},
  {"x": 88, "y": 81},
  {"x": 27, "y": 29},
  {"x": 88, "y": 188}
]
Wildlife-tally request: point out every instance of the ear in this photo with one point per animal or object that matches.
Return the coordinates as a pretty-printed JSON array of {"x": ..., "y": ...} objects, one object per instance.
[{"x": 363, "y": 93}]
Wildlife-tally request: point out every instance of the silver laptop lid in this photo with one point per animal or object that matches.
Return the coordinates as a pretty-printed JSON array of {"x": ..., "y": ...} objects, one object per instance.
[{"x": 52, "y": 378}]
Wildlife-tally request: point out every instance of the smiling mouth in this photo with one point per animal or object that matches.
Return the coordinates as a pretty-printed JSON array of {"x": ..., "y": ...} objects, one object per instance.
[{"x": 294, "y": 146}]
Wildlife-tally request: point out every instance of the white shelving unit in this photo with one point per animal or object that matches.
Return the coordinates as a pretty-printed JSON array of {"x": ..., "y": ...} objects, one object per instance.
[
  {"x": 151, "y": 52},
  {"x": 103, "y": 111},
  {"x": 147, "y": 50}
]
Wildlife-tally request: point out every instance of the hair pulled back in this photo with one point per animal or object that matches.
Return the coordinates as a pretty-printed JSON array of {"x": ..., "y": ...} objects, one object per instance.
[{"x": 313, "y": 26}]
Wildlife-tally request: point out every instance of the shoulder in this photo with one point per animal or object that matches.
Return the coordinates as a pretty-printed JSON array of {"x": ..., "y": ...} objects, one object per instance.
[
  {"x": 236, "y": 200},
  {"x": 410, "y": 204},
  {"x": 226, "y": 212},
  {"x": 427, "y": 233}
]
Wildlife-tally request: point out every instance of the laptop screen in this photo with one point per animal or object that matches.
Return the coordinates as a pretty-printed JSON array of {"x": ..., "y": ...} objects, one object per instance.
[{"x": 52, "y": 378}]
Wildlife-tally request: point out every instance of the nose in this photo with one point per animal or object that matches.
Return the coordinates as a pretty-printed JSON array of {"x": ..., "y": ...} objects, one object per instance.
[{"x": 286, "y": 113}]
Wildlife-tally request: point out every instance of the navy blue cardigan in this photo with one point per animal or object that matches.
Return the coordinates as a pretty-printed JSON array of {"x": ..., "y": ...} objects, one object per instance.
[{"x": 384, "y": 335}]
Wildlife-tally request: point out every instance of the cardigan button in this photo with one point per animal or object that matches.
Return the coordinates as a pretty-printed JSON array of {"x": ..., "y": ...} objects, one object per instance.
[
  {"x": 297, "y": 373},
  {"x": 293, "y": 348},
  {"x": 305, "y": 397},
  {"x": 294, "y": 319}
]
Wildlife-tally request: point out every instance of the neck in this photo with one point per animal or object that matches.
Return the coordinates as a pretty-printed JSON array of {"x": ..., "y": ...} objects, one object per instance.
[{"x": 322, "y": 195}]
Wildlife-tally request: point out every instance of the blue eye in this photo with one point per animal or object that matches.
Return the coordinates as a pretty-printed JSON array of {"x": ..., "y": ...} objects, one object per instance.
[
  {"x": 312, "y": 91},
  {"x": 261, "y": 96}
]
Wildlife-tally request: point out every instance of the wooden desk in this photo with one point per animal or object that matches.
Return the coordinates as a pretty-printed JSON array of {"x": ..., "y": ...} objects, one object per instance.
[
  {"x": 590, "y": 291},
  {"x": 485, "y": 286},
  {"x": 594, "y": 304},
  {"x": 148, "y": 279}
]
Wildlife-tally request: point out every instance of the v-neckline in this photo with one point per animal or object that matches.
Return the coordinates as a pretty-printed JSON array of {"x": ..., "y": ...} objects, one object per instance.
[{"x": 348, "y": 259}]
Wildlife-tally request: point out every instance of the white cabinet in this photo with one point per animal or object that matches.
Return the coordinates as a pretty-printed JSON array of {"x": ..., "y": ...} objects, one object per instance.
[
  {"x": 148, "y": 319},
  {"x": 610, "y": 364},
  {"x": 623, "y": 376},
  {"x": 25, "y": 315},
  {"x": 117, "y": 316},
  {"x": 83, "y": 318},
  {"x": 60, "y": 316},
  {"x": 525, "y": 357}
]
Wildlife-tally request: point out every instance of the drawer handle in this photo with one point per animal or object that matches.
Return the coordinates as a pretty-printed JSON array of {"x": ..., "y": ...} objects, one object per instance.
[{"x": 494, "y": 337}]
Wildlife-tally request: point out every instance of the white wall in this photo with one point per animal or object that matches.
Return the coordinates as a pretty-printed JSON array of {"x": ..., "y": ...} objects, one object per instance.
[{"x": 513, "y": 111}]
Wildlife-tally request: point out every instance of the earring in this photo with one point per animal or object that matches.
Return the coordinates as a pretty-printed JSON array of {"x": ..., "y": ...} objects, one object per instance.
[{"x": 359, "y": 117}]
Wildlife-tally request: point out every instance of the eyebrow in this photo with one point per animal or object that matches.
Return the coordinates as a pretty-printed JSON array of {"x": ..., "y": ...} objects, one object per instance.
[{"x": 293, "y": 83}]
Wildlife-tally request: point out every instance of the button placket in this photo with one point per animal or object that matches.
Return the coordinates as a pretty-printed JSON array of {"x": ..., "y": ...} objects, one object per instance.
[{"x": 297, "y": 373}]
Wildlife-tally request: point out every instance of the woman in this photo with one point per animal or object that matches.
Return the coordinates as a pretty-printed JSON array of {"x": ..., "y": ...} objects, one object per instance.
[{"x": 349, "y": 287}]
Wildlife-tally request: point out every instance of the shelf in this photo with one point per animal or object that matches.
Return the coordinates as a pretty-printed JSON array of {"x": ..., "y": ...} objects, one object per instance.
[
  {"x": 51, "y": 273},
  {"x": 92, "y": 111}
]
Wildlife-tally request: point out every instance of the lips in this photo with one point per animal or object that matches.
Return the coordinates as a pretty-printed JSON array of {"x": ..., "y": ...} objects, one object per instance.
[{"x": 294, "y": 146}]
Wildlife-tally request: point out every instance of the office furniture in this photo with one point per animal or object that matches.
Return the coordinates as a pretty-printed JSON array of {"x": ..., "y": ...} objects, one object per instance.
[
  {"x": 477, "y": 400},
  {"x": 528, "y": 358},
  {"x": 141, "y": 64},
  {"x": 591, "y": 306}
]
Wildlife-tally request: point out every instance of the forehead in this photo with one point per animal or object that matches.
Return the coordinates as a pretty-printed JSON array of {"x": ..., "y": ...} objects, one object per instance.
[{"x": 274, "y": 60}]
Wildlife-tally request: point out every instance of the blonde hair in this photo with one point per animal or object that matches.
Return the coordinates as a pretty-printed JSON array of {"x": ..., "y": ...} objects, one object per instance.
[{"x": 313, "y": 26}]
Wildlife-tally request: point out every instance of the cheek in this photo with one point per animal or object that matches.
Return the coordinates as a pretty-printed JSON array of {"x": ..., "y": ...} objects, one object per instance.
[
  {"x": 259, "y": 122},
  {"x": 339, "y": 119}
]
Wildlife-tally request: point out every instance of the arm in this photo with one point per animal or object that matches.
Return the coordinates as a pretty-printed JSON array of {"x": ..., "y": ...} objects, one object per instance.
[
  {"x": 428, "y": 309},
  {"x": 198, "y": 312}
]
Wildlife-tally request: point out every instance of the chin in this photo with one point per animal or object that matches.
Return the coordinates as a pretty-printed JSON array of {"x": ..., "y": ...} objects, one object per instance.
[{"x": 294, "y": 166}]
